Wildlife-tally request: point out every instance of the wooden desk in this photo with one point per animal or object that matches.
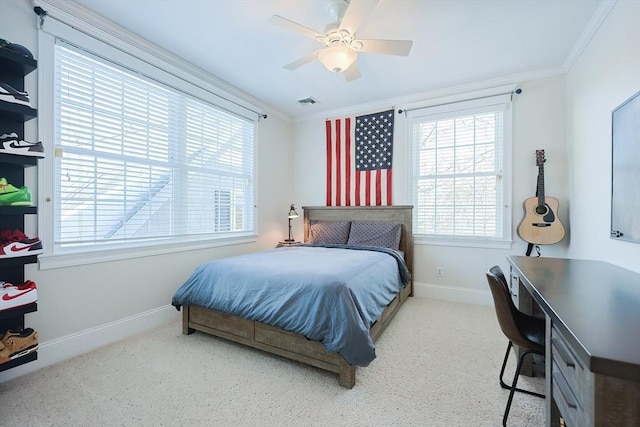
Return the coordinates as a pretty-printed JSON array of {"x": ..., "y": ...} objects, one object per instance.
[{"x": 592, "y": 367}]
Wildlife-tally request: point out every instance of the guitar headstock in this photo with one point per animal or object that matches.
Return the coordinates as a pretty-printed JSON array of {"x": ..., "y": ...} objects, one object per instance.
[{"x": 540, "y": 157}]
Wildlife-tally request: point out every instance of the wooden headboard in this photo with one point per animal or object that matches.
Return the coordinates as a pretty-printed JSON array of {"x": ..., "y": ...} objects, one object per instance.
[{"x": 399, "y": 214}]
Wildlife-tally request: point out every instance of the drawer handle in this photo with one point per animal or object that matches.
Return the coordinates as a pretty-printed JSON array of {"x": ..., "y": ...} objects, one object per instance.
[
  {"x": 564, "y": 390},
  {"x": 566, "y": 358}
]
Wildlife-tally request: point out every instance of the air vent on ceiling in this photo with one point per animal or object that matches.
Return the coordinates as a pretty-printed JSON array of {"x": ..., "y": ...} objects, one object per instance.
[{"x": 307, "y": 101}]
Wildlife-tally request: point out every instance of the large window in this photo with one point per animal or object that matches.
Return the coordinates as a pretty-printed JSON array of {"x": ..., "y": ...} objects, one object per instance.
[
  {"x": 459, "y": 190},
  {"x": 139, "y": 162}
]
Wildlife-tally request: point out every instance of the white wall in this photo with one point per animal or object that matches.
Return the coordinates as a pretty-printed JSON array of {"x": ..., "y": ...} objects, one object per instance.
[
  {"x": 605, "y": 75},
  {"x": 538, "y": 123},
  {"x": 569, "y": 117},
  {"x": 86, "y": 306}
]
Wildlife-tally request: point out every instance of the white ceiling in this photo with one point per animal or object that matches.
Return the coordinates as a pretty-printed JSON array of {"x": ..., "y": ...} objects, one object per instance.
[{"x": 456, "y": 42}]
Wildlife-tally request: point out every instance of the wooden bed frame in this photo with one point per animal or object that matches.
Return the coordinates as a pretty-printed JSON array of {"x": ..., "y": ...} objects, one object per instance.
[{"x": 295, "y": 346}]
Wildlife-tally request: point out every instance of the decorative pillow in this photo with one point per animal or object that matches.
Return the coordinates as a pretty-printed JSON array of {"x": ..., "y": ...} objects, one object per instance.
[
  {"x": 329, "y": 232},
  {"x": 384, "y": 234}
]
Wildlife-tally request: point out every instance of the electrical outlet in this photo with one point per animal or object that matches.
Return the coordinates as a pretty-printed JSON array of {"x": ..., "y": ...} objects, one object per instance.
[{"x": 439, "y": 272}]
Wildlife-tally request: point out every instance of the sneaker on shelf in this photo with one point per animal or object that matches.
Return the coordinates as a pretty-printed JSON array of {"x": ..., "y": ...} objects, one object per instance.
[
  {"x": 14, "y": 243},
  {"x": 9, "y": 94},
  {"x": 14, "y": 196},
  {"x": 20, "y": 50},
  {"x": 13, "y": 296},
  {"x": 12, "y": 144},
  {"x": 25, "y": 285},
  {"x": 17, "y": 48},
  {"x": 17, "y": 343}
]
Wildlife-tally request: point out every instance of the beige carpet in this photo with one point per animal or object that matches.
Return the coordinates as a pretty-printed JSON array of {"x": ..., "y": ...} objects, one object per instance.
[{"x": 437, "y": 365}]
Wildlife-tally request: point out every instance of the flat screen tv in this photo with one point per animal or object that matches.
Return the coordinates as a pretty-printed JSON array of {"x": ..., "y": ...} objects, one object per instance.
[{"x": 625, "y": 170}]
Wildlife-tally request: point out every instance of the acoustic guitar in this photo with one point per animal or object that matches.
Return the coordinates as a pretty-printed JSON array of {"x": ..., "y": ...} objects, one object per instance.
[{"x": 541, "y": 225}]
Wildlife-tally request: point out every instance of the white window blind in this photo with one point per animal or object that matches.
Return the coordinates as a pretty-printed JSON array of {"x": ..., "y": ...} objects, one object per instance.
[
  {"x": 138, "y": 161},
  {"x": 458, "y": 185}
]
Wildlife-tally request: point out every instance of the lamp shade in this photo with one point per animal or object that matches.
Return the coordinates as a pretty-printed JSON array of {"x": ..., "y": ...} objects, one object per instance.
[
  {"x": 292, "y": 212},
  {"x": 337, "y": 58}
]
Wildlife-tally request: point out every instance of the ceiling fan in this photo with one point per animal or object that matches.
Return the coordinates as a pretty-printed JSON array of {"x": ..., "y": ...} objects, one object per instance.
[{"x": 341, "y": 47}]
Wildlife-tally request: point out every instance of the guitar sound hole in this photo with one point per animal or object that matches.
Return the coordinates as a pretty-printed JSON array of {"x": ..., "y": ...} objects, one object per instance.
[{"x": 541, "y": 210}]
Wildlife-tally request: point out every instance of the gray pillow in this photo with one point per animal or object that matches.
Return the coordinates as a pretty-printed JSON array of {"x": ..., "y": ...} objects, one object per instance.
[
  {"x": 329, "y": 232},
  {"x": 384, "y": 234}
]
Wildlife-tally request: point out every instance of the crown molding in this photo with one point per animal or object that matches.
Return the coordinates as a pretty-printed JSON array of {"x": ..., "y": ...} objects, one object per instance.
[
  {"x": 423, "y": 97},
  {"x": 589, "y": 31}
]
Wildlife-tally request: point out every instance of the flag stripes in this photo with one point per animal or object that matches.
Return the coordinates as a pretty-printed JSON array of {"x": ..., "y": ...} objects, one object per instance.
[{"x": 358, "y": 164}]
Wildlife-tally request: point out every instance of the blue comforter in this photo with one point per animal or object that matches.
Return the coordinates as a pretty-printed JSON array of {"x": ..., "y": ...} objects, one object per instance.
[{"x": 331, "y": 293}]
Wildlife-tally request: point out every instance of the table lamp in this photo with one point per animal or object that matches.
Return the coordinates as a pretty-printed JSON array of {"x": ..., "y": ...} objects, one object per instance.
[{"x": 292, "y": 214}]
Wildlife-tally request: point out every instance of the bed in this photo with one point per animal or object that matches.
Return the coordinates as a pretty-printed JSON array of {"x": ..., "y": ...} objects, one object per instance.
[{"x": 277, "y": 337}]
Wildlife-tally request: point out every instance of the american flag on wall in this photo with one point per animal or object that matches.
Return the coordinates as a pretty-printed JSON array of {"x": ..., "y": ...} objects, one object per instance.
[{"x": 359, "y": 158}]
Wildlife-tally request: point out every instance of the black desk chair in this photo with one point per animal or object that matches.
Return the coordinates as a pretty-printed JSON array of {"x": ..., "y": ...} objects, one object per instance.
[{"x": 525, "y": 331}]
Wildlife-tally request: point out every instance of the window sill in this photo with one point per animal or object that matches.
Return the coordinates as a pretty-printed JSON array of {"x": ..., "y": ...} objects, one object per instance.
[
  {"x": 83, "y": 256},
  {"x": 462, "y": 242}
]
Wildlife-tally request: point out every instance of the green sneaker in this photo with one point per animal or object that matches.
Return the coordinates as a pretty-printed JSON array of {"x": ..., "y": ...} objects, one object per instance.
[{"x": 12, "y": 196}]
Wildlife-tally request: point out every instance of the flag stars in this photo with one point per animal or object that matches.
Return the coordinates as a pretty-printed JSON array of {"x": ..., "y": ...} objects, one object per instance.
[{"x": 374, "y": 141}]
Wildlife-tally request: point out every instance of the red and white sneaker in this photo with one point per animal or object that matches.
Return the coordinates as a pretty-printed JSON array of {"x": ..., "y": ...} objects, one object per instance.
[
  {"x": 14, "y": 243},
  {"x": 25, "y": 285},
  {"x": 12, "y": 296}
]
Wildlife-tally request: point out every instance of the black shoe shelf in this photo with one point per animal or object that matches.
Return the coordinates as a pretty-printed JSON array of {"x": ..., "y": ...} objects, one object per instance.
[{"x": 13, "y": 68}]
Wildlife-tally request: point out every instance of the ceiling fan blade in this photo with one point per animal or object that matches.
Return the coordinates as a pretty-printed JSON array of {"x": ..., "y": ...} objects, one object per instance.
[
  {"x": 302, "y": 61},
  {"x": 356, "y": 13},
  {"x": 294, "y": 26},
  {"x": 352, "y": 73},
  {"x": 389, "y": 47}
]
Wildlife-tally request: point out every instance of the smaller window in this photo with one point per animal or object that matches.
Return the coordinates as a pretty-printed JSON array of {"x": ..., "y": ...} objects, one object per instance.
[{"x": 459, "y": 189}]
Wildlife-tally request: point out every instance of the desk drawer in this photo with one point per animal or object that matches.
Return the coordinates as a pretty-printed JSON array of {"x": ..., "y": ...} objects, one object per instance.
[
  {"x": 567, "y": 363},
  {"x": 565, "y": 399},
  {"x": 571, "y": 371}
]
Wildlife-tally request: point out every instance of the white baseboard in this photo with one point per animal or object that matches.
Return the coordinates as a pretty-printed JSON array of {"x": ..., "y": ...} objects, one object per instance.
[
  {"x": 452, "y": 293},
  {"x": 69, "y": 346}
]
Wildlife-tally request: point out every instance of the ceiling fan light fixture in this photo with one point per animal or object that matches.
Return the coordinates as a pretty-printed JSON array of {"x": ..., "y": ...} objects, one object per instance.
[
  {"x": 340, "y": 46},
  {"x": 337, "y": 58}
]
